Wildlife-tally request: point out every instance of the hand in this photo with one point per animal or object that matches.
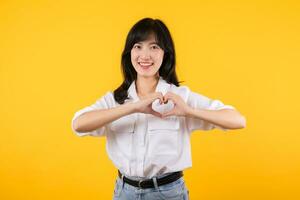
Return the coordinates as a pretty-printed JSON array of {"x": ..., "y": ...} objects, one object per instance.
[
  {"x": 144, "y": 105},
  {"x": 180, "y": 107}
]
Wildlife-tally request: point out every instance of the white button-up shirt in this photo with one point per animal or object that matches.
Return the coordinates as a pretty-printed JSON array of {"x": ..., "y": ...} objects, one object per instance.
[{"x": 143, "y": 145}]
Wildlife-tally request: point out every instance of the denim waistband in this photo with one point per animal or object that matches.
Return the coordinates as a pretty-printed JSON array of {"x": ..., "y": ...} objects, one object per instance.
[{"x": 142, "y": 178}]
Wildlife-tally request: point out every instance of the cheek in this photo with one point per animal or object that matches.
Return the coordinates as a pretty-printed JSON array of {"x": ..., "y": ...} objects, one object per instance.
[
  {"x": 132, "y": 54},
  {"x": 133, "y": 57},
  {"x": 160, "y": 57}
]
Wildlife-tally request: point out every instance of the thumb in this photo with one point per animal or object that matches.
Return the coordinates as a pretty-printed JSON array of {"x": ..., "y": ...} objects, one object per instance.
[
  {"x": 157, "y": 114},
  {"x": 166, "y": 114}
]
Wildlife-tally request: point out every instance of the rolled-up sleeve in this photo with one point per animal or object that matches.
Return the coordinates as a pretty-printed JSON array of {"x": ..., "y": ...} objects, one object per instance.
[
  {"x": 101, "y": 103},
  {"x": 199, "y": 101}
]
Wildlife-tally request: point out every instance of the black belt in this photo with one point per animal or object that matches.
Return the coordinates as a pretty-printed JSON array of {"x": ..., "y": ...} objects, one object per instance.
[{"x": 148, "y": 183}]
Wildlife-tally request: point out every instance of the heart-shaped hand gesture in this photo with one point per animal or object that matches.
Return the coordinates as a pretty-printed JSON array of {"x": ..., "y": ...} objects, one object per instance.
[
  {"x": 180, "y": 108},
  {"x": 144, "y": 105},
  {"x": 170, "y": 104}
]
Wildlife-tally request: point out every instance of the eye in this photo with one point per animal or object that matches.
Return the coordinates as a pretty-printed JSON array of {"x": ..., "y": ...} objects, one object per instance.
[
  {"x": 155, "y": 47},
  {"x": 137, "y": 46}
]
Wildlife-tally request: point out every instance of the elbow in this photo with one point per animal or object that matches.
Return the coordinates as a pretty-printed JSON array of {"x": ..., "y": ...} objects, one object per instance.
[
  {"x": 241, "y": 122},
  {"x": 76, "y": 127},
  {"x": 236, "y": 121}
]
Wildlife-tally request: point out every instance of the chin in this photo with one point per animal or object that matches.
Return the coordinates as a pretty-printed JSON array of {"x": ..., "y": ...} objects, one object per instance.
[{"x": 146, "y": 74}]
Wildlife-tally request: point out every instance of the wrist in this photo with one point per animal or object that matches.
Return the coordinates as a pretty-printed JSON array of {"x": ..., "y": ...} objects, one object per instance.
[
  {"x": 131, "y": 107},
  {"x": 189, "y": 112}
]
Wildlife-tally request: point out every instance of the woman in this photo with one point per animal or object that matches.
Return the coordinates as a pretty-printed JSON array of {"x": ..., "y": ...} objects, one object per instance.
[{"x": 149, "y": 118}]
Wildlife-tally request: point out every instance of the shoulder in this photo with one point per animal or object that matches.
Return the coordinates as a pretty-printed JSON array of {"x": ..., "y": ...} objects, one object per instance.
[
  {"x": 187, "y": 94},
  {"x": 107, "y": 98},
  {"x": 107, "y": 95},
  {"x": 183, "y": 91}
]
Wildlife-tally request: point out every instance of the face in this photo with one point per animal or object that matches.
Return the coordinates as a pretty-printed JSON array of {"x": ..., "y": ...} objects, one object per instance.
[{"x": 147, "y": 57}]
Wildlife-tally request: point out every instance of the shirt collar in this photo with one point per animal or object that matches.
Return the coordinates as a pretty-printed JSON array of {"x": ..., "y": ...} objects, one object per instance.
[{"x": 162, "y": 87}]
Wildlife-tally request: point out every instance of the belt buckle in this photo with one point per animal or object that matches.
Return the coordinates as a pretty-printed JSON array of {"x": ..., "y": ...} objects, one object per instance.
[{"x": 139, "y": 183}]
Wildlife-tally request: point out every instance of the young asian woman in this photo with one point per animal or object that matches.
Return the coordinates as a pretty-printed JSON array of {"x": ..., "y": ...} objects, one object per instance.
[{"x": 149, "y": 118}]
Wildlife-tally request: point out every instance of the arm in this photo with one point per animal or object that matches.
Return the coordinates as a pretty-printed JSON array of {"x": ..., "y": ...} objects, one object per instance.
[
  {"x": 226, "y": 118},
  {"x": 95, "y": 119}
]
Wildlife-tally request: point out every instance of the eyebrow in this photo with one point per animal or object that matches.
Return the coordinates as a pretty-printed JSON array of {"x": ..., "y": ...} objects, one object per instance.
[{"x": 149, "y": 43}]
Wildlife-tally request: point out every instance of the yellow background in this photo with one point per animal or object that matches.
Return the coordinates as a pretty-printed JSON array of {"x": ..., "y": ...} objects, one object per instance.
[{"x": 59, "y": 56}]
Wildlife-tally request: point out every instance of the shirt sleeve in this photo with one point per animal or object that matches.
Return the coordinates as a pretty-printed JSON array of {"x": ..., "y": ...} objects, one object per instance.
[
  {"x": 199, "y": 101},
  {"x": 101, "y": 103}
]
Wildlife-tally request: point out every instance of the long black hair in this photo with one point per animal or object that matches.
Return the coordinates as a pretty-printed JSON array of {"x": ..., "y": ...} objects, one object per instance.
[{"x": 140, "y": 32}]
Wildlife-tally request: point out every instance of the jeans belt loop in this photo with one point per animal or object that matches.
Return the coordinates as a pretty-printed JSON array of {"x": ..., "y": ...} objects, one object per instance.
[
  {"x": 123, "y": 182},
  {"x": 154, "y": 179}
]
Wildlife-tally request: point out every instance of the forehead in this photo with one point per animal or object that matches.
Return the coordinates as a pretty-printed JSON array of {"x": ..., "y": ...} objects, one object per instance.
[{"x": 150, "y": 39}]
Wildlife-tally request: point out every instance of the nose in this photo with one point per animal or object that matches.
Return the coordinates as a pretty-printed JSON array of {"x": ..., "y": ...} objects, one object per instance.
[{"x": 145, "y": 54}]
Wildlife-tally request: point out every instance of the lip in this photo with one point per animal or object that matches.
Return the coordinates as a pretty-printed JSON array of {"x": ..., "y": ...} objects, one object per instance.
[{"x": 145, "y": 65}]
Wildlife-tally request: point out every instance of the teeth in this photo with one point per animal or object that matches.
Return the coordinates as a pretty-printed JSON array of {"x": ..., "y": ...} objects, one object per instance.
[{"x": 145, "y": 64}]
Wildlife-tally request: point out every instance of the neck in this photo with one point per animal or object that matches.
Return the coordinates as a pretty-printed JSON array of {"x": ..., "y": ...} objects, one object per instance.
[{"x": 146, "y": 85}]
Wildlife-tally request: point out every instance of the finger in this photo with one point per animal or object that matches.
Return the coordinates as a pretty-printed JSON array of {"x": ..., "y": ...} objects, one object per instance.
[
  {"x": 154, "y": 97},
  {"x": 169, "y": 97},
  {"x": 169, "y": 94},
  {"x": 167, "y": 114},
  {"x": 160, "y": 97},
  {"x": 157, "y": 114},
  {"x": 166, "y": 98}
]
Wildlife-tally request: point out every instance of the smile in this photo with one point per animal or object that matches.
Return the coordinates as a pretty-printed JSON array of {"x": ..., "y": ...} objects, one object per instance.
[{"x": 145, "y": 65}]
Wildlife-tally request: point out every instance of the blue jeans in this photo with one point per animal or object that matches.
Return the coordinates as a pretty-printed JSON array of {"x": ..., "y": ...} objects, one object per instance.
[{"x": 171, "y": 191}]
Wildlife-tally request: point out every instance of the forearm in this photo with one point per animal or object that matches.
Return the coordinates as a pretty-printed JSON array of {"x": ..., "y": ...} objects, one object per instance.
[
  {"x": 93, "y": 120},
  {"x": 226, "y": 118}
]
